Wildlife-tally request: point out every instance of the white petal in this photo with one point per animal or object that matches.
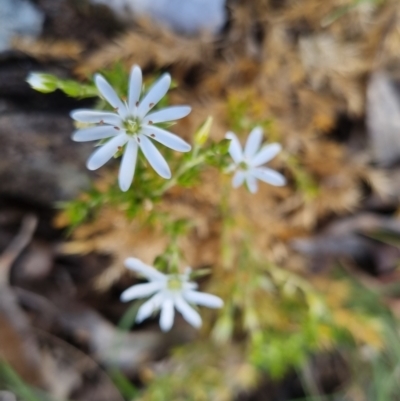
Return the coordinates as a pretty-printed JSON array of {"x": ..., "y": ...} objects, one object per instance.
[
  {"x": 94, "y": 133},
  {"x": 231, "y": 168},
  {"x": 154, "y": 95},
  {"x": 267, "y": 153},
  {"x": 168, "y": 114},
  {"x": 106, "y": 152},
  {"x": 145, "y": 270},
  {"x": 235, "y": 148},
  {"x": 253, "y": 142},
  {"x": 188, "y": 313},
  {"x": 238, "y": 178},
  {"x": 167, "y": 314},
  {"x": 149, "y": 307},
  {"x": 167, "y": 138},
  {"x": 201, "y": 298},
  {"x": 128, "y": 164},
  {"x": 252, "y": 184},
  {"x": 269, "y": 176},
  {"x": 189, "y": 285},
  {"x": 109, "y": 94},
  {"x": 154, "y": 157},
  {"x": 93, "y": 116},
  {"x": 141, "y": 291},
  {"x": 135, "y": 87}
]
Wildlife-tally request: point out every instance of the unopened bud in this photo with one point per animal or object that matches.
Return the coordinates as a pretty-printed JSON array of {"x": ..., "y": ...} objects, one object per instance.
[
  {"x": 203, "y": 132},
  {"x": 42, "y": 82}
]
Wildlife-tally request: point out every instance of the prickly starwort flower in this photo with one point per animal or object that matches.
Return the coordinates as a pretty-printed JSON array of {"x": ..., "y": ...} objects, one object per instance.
[
  {"x": 131, "y": 127},
  {"x": 247, "y": 164},
  {"x": 168, "y": 291}
]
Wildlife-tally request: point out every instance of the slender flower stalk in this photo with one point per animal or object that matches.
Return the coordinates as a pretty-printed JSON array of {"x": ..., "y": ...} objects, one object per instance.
[
  {"x": 247, "y": 164},
  {"x": 195, "y": 161},
  {"x": 167, "y": 291},
  {"x": 131, "y": 127}
]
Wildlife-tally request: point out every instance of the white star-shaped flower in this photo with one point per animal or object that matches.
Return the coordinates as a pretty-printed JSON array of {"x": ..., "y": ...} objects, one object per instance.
[
  {"x": 247, "y": 164},
  {"x": 168, "y": 291},
  {"x": 131, "y": 126}
]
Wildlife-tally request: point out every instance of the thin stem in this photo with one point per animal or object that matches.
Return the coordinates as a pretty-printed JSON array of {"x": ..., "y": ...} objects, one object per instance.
[{"x": 182, "y": 170}]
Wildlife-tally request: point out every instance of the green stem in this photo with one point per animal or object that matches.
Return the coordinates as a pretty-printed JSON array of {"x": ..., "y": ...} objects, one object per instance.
[{"x": 182, "y": 170}]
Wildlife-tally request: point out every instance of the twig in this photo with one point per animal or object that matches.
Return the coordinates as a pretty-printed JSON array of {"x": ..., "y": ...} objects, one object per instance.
[
  {"x": 16, "y": 246},
  {"x": 22, "y": 352}
]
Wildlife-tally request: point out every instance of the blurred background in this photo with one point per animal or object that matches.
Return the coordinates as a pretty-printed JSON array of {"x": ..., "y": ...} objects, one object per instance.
[{"x": 322, "y": 322}]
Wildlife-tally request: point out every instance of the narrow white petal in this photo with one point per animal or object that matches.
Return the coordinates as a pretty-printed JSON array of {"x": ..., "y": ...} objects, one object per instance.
[
  {"x": 252, "y": 184},
  {"x": 141, "y": 291},
  {"x": 269, "y": 176},
  {"x": 253, "y": 142},
  {"x": 168, "y": 114},
  {"x": 96, "y": 117},
  {"x": 154, "y": 95},
  {"x": 167, "y": 138},
  {"x": 135, "y": 87},
  {"x": 167, "y": 314},
  {"x": 109, "y": 94},
  {"x": 231, "y": 168},
  {"x": 145, "y": 270},
  {"x": 202, "y": 298},
  {"x": 94, "y": 133},
  {"x": 238, "y": 179},
  {"x": 128, "y": 164},
  {"x": 235, "y": 148},
  {"x": 150, "y": 306},
  {"x": 188, "y": 313},
  {"x": 106, "y": 152},
  {"x": 154, "y": 157},
  {"x": 267, "y": 153},
  {"x": 189, "y": 285}
]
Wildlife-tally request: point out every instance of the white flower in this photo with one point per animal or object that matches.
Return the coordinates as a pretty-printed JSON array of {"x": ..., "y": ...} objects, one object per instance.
[
  {"x": 168, "y": 291},
  {"x": 247, "y": 164},
  {"x": 131, "y": 126}
]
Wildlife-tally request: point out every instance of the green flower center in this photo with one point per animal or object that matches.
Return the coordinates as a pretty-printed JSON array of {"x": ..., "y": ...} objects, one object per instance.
[
  {"x": 132, "y": 126},
  {"x": 243, "y": 166},
  {"x": 174, "y": 283}
]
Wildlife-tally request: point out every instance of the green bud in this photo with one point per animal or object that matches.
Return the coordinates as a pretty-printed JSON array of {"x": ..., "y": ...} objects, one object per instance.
[
  {"x": 203, "y": 132},
  {"x": 47, "y": 83},
  {"x": 44, "y": 83}
]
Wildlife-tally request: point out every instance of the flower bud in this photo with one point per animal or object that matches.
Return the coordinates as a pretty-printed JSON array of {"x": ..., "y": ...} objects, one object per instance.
[
  {"x": 42, "y": 82},
  {"x": 203, "y": 132}
]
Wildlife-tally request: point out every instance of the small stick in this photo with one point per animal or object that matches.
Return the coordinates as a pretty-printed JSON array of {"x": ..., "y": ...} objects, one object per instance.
[
  {"x": 24, "y": 356},
  {"x": 17, "y": 245}
]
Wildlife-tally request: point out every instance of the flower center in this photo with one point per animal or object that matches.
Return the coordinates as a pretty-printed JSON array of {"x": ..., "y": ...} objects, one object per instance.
[
  {"x": 243, "y": 166},
  {"x": 174, "y": 283},
  {"x": 132, "y": 126}
]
